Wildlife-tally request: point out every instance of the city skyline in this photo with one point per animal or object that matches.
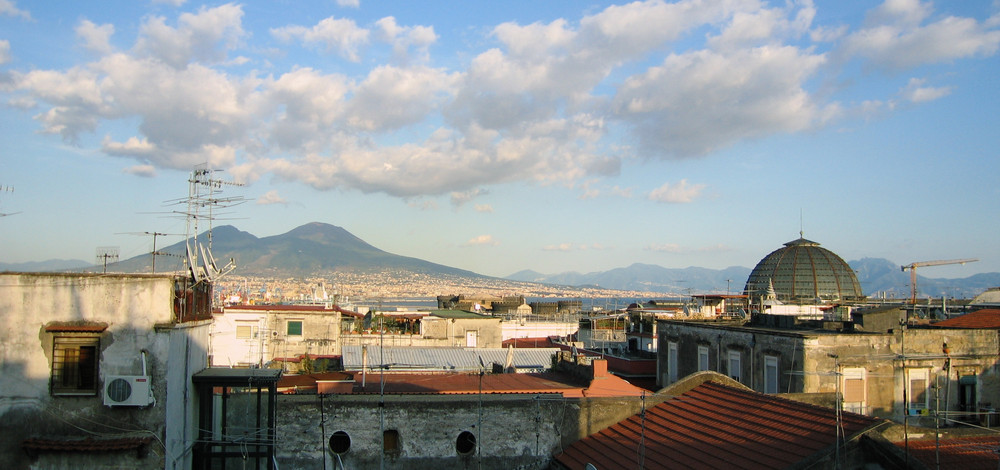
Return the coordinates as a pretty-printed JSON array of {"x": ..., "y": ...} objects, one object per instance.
[{"x": 556, "y": 137}]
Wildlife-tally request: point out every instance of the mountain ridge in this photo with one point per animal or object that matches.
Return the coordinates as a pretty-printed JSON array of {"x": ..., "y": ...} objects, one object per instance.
[{"x": 316, "y": 248}]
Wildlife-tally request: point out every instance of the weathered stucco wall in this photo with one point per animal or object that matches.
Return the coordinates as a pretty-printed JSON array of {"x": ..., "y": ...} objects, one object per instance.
[
  {"x": 518, "y": 431},
  {"x": 137, "y": 313},
  {"x": 814, "y": 361}
]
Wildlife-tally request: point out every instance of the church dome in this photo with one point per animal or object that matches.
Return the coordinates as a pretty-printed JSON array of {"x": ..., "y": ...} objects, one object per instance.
[{"x": 803, "y": 273}]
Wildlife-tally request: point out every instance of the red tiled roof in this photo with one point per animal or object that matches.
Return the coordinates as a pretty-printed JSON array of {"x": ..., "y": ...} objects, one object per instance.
[
  {"x": 986, "y": 318},
  {"x": 548, "y": 382},
  {"x": 522, "y": 343},
  {"x": 967, "y": 453},
  {"x": 84, "y": 445},
  {"x": 715, "y": 426}
]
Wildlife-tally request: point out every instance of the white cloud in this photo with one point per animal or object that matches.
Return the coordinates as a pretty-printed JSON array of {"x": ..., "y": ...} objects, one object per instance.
[
  {"x": 338, "y": 35},
  {"x": 896, "y": 37},
  {"x": 173, "y": 3},
  {"x": 131, "y": 147},
  {"x": 9, "y": 8},
  {"x": 403, "y": 38},
  {"x": 145, "y": 171},
  {"x": 458, "y": 198},
  {"x": 665, "y": 247},
  {"x": 206, "y": 36},
  {"x": 701, "y": 101},
  {"x": 95, "y": 38},
  {"x": 271, "y": 197},
  {"x": 916, "y": 92},
  {"x": 547, "y": 103},
  {"x": 482, "y": 240},
  {"x": 676, "y": 193},
  {"x": 349, "y": 3},
  {"x": 559, "y": 247},
  {"x": 484, "y": 208}
]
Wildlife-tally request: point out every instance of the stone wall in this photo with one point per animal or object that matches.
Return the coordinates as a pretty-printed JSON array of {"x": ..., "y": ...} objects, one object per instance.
[{"x": 518, "y": 431}]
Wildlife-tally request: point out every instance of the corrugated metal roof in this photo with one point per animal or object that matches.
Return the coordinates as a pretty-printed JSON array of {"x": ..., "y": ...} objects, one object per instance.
[
  {"x": 445, "y": 359},
  {"x": 715, "y": 426},
  {"x": 987, "y": 319}
]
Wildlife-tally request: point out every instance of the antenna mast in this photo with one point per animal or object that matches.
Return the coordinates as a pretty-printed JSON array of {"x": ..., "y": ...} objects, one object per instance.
[
  {"x": 105, "y": 253},
  {"x": 203, "y": 199},
  {"x": 7, "y": 189}
]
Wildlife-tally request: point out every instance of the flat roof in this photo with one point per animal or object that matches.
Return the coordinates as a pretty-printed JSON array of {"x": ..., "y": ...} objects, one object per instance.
[{"x": 228, "y": 376}]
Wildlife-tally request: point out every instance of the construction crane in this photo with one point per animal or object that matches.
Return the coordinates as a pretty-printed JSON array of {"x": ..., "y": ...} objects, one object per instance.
[{"x": 913, "y": 272}]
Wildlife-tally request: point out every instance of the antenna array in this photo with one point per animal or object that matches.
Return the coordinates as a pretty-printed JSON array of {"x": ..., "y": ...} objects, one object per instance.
[
  {"x": 106, "y": 254},
  {"x": 203, "y": 203}
]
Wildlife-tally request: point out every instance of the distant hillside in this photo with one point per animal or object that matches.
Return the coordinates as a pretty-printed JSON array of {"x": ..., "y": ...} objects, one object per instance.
[
  {"x": 45, "y": 266},
  {"x": 311, "y": 249},
  {"x": 876, "y": 276},
  {"x": 317, "y": 248}
]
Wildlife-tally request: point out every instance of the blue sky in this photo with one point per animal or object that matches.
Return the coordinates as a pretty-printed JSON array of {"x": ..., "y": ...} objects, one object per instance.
[{"x": 495, "y": 137}]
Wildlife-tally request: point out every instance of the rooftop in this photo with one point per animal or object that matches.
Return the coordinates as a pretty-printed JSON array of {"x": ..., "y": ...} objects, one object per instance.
[
  {"x": 716, "y": 426},
  {"x": 987, "y": 318}
]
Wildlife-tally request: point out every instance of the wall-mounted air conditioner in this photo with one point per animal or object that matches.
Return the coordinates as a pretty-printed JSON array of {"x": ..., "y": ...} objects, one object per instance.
[{"x": 128, "y": 390}]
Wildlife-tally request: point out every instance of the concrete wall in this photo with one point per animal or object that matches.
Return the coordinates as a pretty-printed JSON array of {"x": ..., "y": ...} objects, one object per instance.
[
  {"x": 137, "y": 311},
  {"x": 453, "y": 331},
  {"x": 517, "y": 432},
  {"x": 516, "y": 329}
]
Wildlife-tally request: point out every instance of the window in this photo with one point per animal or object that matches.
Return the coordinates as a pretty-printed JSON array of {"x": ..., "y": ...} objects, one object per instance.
[
  {"x": 248, "y": 330},
  {"x": 471, "y": 339},
  {"x": 702, "y": 358},
  {"x": 466, "y": 443},
  {"x": 390, "y": 442},
  {"x": 854, "y": 389},
  {"x": 770, "y": 374},
  {"x": 672, "y": 362},
  {"x": 74, "y": 364},
  {"x": 340, "y": 443},
  {"x": 918, "y": 395},
  {"x": 294, "y": 328},
  {"x": 735, "y": 365}
]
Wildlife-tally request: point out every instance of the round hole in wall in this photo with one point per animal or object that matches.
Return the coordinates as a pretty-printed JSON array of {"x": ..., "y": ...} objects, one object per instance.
[
  {"x": 466, "y": 443},
  {"x": 340, "y": 442}
]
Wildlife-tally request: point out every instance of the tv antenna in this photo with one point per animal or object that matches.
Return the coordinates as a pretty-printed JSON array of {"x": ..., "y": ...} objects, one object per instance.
[
  {"x": 203, "y": 201},
  {"x": 153, "y": 253},
  {"x": 7, "y": 189},
  {"x": 105, "y": 253}
]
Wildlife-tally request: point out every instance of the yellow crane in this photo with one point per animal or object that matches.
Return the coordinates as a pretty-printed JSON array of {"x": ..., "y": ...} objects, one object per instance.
[{"x": 913, "y": 272}]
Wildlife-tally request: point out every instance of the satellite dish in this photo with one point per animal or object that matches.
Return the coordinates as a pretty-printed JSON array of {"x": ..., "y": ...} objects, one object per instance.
[{"x": 590, "y": 466}]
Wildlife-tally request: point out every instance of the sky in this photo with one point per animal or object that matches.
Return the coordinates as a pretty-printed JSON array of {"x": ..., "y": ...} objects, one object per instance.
[{"x": 502, "y": 136}]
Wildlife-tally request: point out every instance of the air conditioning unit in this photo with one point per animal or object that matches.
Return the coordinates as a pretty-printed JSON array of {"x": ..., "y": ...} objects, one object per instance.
[{"x": 128, "y": 390}]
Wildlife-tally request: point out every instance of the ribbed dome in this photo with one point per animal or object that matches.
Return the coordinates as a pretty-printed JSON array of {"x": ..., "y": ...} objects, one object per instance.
[{"x": 803, "y": 273}]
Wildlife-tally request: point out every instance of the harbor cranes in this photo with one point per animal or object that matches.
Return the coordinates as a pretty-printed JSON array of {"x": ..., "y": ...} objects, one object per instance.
[{"x": 913, "y": 272}]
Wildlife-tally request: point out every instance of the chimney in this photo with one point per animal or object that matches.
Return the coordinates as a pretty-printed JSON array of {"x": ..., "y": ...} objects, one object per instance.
[{"x": 600, "y": 367}]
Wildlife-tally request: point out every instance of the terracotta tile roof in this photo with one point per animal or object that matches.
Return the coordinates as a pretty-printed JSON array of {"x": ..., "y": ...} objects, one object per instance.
[
  {"x": 529, "y": 343},
  {"x": 986, "y": 318},
  {"x": 967, "y": 453},
  {"x": 548, "y": 382},
  {"x": 84, "y": 445},
  {"x": 715, "y": 426}
]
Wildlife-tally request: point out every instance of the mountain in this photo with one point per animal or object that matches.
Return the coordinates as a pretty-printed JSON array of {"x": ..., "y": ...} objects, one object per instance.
[
  {"x": 877, "y": 277},
  {"x": 318, "y": 248},
  {"x": 45, "y": 266},
  {"x": 311, "y": 249}
]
